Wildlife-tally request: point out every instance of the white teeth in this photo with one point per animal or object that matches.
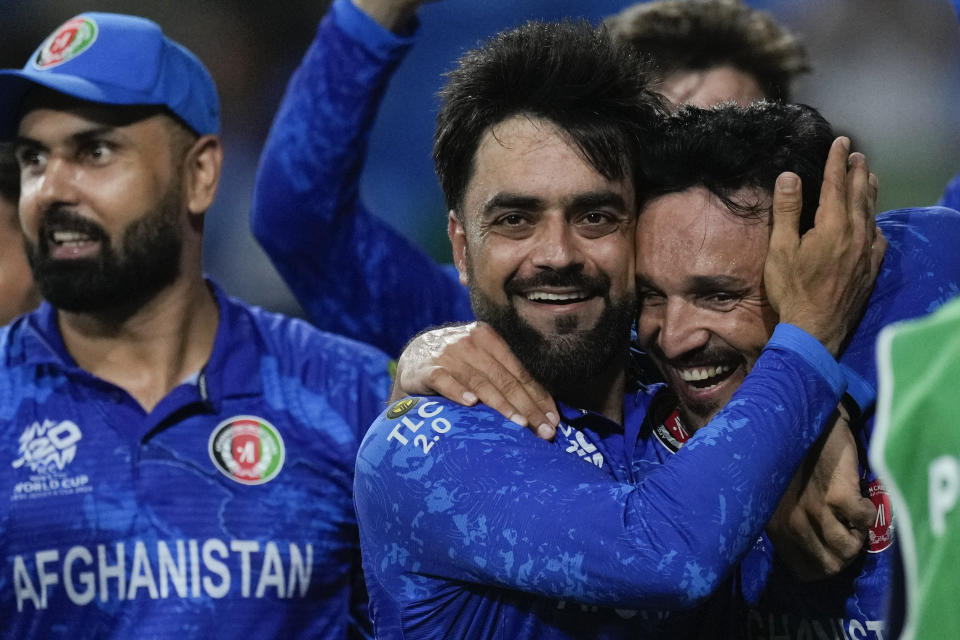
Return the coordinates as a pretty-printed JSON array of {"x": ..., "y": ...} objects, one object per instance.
[
  {"x": 697, "y": 374},
  {"x": 69, "y": 238},
  {"x": 553, "y": 297}
]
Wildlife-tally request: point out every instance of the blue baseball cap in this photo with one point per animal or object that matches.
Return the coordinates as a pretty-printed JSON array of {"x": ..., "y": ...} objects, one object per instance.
[{"x": 110, "y": 58}]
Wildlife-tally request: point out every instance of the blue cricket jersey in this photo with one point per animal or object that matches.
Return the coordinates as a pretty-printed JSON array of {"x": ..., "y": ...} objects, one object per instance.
[
  {"x": 225, "y": 512},
  {"x": 921, "y": 271},
  {"x": 351, "y": 272},
  {"x": 472, "y": 527}
]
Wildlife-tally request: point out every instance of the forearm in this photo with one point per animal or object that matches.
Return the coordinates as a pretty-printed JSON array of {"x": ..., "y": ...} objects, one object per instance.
[
  {"x": 310, "y": 167},
  {"x": 522, "y": 513}
]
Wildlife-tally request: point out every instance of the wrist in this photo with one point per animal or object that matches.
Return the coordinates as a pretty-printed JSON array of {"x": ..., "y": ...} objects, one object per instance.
[{"x": 394, "y": 16}]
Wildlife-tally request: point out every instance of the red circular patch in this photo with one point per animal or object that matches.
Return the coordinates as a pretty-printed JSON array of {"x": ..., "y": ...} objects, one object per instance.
[{"x": 881, "y": 533}]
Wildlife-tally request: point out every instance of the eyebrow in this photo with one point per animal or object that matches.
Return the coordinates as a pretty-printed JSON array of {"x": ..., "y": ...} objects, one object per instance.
[
  {"x": 78, "y": 138},
  {"x": 598, "y": 199},
  {"x": 511, "y": 201},
  {"x": 714, "y": 283},
  {"x": 700, "y": 284},
  {"x": 580, "y": 202}
]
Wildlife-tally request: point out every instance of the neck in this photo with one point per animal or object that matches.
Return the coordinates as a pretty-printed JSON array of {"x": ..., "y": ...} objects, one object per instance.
[
  {"x": 152, "y": 350},
  {"x": 602, "y": 393}
]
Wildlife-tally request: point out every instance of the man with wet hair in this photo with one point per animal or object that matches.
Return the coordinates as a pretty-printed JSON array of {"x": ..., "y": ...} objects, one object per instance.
[{"x": 703, "y": 234}]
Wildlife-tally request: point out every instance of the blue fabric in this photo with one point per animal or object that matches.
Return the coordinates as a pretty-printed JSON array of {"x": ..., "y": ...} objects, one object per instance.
[
  {"x": 352, "y": 272},
  {"x": 472, "y": 527},
  {"x": 133, "y": 531},
  {"x": 921, "y": 271},
  {"x": 951, "y": 193},
  {"x": 111, "y": 58},
  {"x": 801, "y": 342}
]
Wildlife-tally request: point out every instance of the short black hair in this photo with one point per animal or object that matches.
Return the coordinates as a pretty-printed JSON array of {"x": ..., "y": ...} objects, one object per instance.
[
  {"x": 698, "y": 35},
  {"x": 728, "y": 148},
  {"x": 9, "y": 173},
  {"x": 573, "y": 74}
]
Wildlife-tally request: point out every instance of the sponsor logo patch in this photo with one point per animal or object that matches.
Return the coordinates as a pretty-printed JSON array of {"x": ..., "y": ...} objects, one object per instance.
[
  {"x": 881, "y": 533},
  {"x": 247, "y": 449},
  {"x": 400, "y": 407},
  {"x": 70, "y": 40},
  {"x": 46, "y": 450}
]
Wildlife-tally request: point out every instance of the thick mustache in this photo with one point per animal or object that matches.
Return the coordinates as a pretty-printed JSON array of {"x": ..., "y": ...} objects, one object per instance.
[
  {"x": 698, "y": 358},
  {"x": 591, "y": 285},
  {"x": 63, "y": 219}
]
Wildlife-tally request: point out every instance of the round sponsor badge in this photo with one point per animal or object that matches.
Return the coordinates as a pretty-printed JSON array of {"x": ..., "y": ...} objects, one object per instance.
[
  {"x": 400, "y": 407},
  {"x": 70, "y": 40},
  {"x": 881, "y": 533},
  {"x": 247, "y": 449}
]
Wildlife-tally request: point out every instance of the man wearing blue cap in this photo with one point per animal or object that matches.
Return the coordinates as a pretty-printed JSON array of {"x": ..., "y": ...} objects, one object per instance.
[{"x": 174, "y": 462}]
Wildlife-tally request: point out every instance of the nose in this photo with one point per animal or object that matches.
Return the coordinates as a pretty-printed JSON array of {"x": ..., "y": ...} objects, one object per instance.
[
  {"x": 680, "y": 329},
  {"x": 556, "y": 246},
  {"x": 53, "y": 185}
]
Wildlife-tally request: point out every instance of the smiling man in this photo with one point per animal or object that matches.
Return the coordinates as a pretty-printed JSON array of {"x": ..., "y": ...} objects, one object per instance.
[
  {"x": 471, "y": 526},
  {"x": 175, "y": 463},
  {"x": 704, "y": 233},
  {"x": 544, "y": 242}
]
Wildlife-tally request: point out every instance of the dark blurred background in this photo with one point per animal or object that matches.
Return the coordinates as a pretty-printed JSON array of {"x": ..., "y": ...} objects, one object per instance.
[{"x": 886, "y": 72}]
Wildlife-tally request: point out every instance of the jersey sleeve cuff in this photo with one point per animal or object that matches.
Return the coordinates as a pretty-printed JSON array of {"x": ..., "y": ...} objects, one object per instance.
[
  {"x": 359, "y": 26},
  {"x": 794, "y": 339}
]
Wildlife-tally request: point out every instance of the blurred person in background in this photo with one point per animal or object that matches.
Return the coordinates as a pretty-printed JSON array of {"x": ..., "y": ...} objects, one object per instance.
[{"x": 17, "y": 293}]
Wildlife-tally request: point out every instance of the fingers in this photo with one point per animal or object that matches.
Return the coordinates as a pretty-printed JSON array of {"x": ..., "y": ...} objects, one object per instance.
[
  {"x": 787, "y": 205},
  {"x": 877, "y": 251},
  {"x": 471, "y": 363},
  {"x": 499, "y": 380},
  {"x": 784, "y": 236},
  {"x": 831, "y": 213}
]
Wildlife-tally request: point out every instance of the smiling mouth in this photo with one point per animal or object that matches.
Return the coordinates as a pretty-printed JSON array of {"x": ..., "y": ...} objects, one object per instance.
[
  {"x": 705, "y": 377},
  {"x": 546, "y": 297},
  {"x": 70, "y": 239}
]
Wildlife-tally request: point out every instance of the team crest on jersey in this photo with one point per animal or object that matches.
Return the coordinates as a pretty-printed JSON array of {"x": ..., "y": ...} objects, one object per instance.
[
  {"x": 70, "y": 40},
  {"x": 46, "y": 450},
  {"x": 881, "y": 533},
  {"x": 400, "y": 407},
  {"x": 247, "y": 449}
]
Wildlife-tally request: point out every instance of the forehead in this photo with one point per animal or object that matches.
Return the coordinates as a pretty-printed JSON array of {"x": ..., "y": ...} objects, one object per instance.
[
  {"x": 707, "y": 87},
  {"x": 51, "y": 114},
  {"x": 692, "y": 233},
  {"x": 532, "y": 156}
]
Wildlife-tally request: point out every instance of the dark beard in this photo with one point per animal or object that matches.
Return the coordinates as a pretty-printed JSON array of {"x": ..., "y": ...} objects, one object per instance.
[
  {"x": 567, "y": 362},
  {"x": 115, "y": 283}
]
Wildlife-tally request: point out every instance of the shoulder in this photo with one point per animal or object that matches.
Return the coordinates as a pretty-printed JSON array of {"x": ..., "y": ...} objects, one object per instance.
[
  {"x": 301, "y": 366},
  {"x": 432, "y": 426},
  {"x": 297, "y": 343},
  {"x": 931, "y": 227},
  {"x": 442, "y": 416}
]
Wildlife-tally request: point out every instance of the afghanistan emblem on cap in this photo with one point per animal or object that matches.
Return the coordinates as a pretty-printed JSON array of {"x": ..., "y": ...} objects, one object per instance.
[
  {"x": 247, "y": 449},
  {"x": 67, "y": 42}
]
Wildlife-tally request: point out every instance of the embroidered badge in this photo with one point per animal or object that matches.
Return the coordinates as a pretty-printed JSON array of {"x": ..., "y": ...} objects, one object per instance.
[
  {"x": 70, "y": 40},
  {"x": 247, "y": 449}
]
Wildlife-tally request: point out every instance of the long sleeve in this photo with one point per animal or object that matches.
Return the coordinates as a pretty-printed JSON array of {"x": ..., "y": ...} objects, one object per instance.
[
  {"x": 352, "y": 272},
  {"x": 460, "y": 494}
]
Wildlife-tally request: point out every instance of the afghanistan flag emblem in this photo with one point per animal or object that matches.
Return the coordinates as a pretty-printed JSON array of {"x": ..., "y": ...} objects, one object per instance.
[{"x": 247, "y": 449}]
